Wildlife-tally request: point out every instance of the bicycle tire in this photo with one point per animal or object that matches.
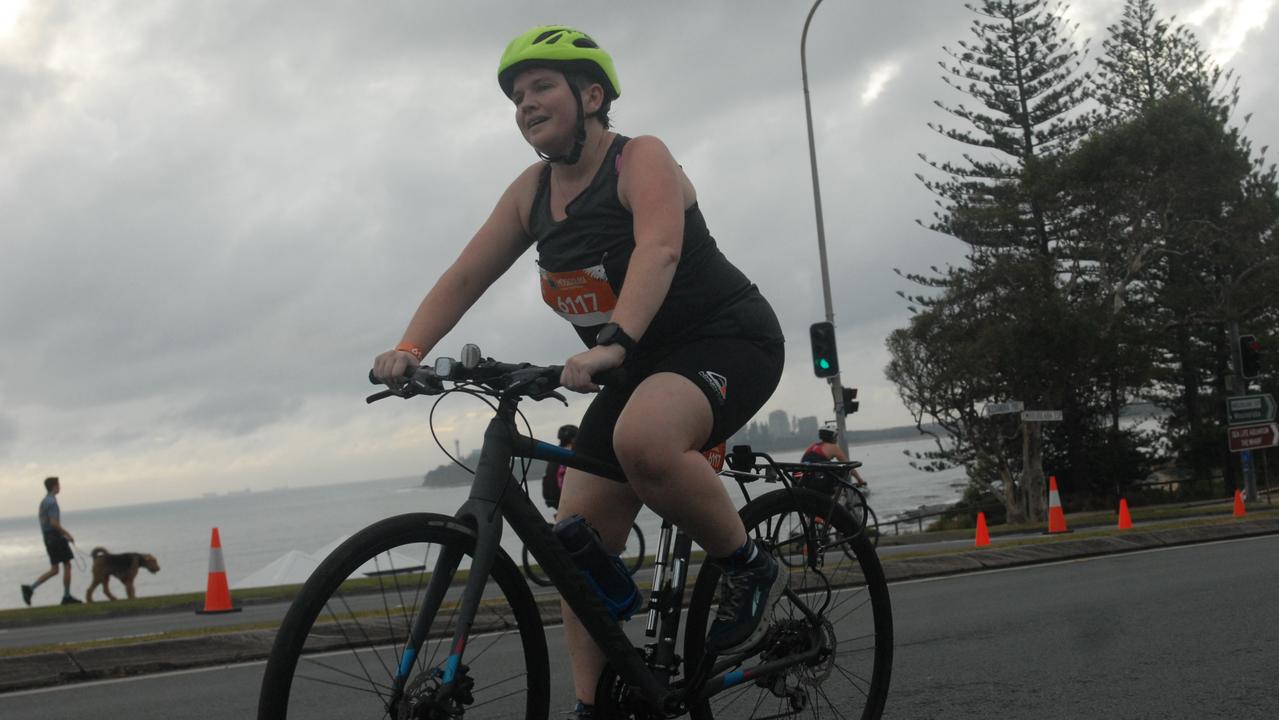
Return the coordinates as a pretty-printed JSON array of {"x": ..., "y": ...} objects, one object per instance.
[
  {"x": 336, "y": 640},
  {"x": 857, "y": 611},
  {"x": 866, "y": 517},
  {"x": 632, "y": 557}
]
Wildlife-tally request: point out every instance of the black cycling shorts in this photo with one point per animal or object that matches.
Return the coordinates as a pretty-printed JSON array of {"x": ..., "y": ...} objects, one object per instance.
[
  {"x": 55, "y": 543},
  {"x": 736, "y": 376}
]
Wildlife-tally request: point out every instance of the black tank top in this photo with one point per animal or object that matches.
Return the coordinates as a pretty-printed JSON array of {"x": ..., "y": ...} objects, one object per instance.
[{"x": 582, "y": 261}]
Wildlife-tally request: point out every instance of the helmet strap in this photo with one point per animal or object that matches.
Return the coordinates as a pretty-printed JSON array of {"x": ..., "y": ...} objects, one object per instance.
[{"x": 579, "y": 133}]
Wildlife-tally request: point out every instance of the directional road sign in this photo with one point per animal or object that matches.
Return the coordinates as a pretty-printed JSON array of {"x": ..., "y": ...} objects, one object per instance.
[
  {"x": 1003, "y": 408},
  {"x": 1041, "y": 416},
  {"x": 1253, "y": 437},
  {"x": 1248, "y": 409}
]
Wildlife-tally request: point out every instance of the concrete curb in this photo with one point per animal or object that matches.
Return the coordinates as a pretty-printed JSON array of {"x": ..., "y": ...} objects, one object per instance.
[
  {"x": 47, "y": 669},
  {"x": 995, "y": 557}
]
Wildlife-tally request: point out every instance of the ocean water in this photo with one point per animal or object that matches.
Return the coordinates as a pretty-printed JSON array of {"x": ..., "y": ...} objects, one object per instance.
[{"x": 257, "y": 528}]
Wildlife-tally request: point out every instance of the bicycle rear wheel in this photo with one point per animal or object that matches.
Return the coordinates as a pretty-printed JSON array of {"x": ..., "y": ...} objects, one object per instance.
[
  {"x": 342, "y": 642},
  {"x": 834, "y": 572},
  {"x": 855, "y": 503}
]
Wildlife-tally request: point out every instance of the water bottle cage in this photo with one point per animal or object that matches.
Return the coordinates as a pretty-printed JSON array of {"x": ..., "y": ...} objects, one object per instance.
[{"x": 619, "y": 610}]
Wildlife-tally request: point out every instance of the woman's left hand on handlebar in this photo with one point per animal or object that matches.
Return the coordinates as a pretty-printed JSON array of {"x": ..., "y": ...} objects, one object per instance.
[{"x": 579, "y": 368}]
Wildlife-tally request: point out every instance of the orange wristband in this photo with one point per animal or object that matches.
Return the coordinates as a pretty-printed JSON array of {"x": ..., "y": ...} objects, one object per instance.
[{"x": 411, "y": 349}]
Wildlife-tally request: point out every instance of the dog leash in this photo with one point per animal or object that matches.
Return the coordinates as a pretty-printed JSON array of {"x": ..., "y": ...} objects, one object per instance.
[{"x": 80, "y": 558}]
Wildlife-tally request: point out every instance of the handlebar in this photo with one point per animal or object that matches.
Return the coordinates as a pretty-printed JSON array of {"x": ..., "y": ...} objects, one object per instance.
[{"x": 499, "y": 378}]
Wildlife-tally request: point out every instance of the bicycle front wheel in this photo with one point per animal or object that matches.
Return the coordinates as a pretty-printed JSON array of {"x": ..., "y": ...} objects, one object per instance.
[
  {"x": 835, "y": 573},
  {"x": 341, "y": 644}
]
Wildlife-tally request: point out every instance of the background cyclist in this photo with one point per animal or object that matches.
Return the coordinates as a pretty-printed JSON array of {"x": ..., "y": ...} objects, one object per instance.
[
  {"x": 624, "y": 255},
  {"x": 553, "y": 477},
  {"x": 826, "y": 449}
]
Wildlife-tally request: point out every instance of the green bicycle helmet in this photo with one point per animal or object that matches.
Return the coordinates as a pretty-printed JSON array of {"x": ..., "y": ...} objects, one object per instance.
[{"x": 560, "y": 48}]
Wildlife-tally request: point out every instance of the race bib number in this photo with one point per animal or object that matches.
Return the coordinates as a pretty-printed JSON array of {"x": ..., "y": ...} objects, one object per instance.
[
  {"x": 715, "y": 456},
  {"x": 583, "y": 297}
]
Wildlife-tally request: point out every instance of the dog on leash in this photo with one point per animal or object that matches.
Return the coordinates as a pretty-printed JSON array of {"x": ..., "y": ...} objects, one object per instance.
[{"x": 124, "y": 567}]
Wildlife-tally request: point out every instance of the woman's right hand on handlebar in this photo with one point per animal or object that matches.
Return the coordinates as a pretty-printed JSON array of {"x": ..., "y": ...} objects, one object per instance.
[{"x": 393, "y": 364}]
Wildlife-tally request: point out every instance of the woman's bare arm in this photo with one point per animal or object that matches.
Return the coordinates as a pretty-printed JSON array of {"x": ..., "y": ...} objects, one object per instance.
[{"x": 494, "y": 248}]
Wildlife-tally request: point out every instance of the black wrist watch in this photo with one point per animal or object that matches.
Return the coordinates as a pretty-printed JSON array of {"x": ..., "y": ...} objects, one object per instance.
[{"x": 613, "y": 334}]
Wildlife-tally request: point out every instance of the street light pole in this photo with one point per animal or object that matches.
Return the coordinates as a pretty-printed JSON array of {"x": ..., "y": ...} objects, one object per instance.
[{"x": 836, "y": 387}]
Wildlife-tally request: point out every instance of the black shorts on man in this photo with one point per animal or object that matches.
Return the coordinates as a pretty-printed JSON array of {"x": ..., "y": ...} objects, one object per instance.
[{"x": 55, "y": 543}]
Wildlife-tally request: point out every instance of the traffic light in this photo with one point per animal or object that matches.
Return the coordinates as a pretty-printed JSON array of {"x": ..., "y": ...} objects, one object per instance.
[
  {"x": 825, "y": 359},
  {"x": 851, "y": 405},
  {"x": 1249, "y": 356}
]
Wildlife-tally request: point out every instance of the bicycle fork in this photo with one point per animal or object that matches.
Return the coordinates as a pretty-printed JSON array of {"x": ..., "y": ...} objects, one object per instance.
[{"x": 480, "y": 513}]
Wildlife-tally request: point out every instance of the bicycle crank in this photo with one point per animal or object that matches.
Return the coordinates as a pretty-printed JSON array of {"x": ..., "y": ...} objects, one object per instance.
[{"x": 616, "y": 700}]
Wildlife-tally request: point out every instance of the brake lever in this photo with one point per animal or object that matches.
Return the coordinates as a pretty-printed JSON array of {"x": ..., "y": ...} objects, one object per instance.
[
  {"x": 548, "y": 396},
  {"x": 380, "y": 396}
]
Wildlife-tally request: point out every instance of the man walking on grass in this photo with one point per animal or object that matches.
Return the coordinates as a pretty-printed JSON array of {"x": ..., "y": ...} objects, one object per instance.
[{"x": 56, "y": 542}]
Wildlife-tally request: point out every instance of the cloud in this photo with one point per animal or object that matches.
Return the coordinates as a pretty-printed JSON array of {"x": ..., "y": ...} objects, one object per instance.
[
  {"x": 1226, "y": 24},
  {"x": 879, "y": 78},
  {"x": 216, "y": 214}
]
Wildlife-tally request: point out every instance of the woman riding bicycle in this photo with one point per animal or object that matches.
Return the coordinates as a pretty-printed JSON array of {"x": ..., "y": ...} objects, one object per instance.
[{"x": 625, "y": 256}]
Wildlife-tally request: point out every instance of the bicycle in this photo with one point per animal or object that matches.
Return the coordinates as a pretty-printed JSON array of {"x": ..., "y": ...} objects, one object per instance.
[
  {"x": 632, "y": 557},
  {"x": 835, "y": 479},
  {"x": 415, "y": 644}
]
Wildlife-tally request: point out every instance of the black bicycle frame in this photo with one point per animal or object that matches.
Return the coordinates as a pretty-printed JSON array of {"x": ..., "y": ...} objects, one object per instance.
[
  {"x": 495, "y": 492},
  {"x": 496, "y": 495}
]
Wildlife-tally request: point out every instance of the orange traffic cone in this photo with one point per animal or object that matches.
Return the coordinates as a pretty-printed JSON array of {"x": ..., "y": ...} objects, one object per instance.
[
  {"x": 1056, "y": 517},
  {"x": 217, "y": 598},
  {"x": 1125, "y": 520},
  {"x": 983, "y": 535},
  {"x": 1239, "y": 508}
]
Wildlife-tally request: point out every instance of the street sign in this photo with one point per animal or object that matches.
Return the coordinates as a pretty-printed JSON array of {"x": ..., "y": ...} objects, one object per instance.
[
  {"x": 1247, "y": 409},
  {"x": 1253, "y": 437},
  {"x": 1003, "y": 408},
  {"x": 1041, "y": 416}
]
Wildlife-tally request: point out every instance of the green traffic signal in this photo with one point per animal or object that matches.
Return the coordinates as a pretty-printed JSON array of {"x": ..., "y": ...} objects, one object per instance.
[{"x": 825, "y": 358}]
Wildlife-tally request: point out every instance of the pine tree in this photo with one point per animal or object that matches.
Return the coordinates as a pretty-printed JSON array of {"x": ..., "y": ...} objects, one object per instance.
[
  {"x": 1024, "y": 71},
  {"x": 984, "y": 337},
  {"x": 1183, "y": 217},
  {"x": 1146, "y": 58}
]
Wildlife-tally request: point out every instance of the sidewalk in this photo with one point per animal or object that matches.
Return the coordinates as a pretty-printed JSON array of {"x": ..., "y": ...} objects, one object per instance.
[{"x": 75, "y": 664}]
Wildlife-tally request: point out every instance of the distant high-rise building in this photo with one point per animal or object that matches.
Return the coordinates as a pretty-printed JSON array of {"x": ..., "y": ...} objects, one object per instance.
[
  {"x": 806, "y": 427},
  {"x": 779, "y": 424}
]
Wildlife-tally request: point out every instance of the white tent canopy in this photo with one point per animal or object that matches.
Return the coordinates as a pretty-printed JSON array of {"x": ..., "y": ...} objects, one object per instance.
[
  {"x": 288, "y": 569},
  {"x": 295, "y": 566}
]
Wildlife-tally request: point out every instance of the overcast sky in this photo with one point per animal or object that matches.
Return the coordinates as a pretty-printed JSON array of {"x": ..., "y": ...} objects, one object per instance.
[{"x": 214, "y": 214}]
